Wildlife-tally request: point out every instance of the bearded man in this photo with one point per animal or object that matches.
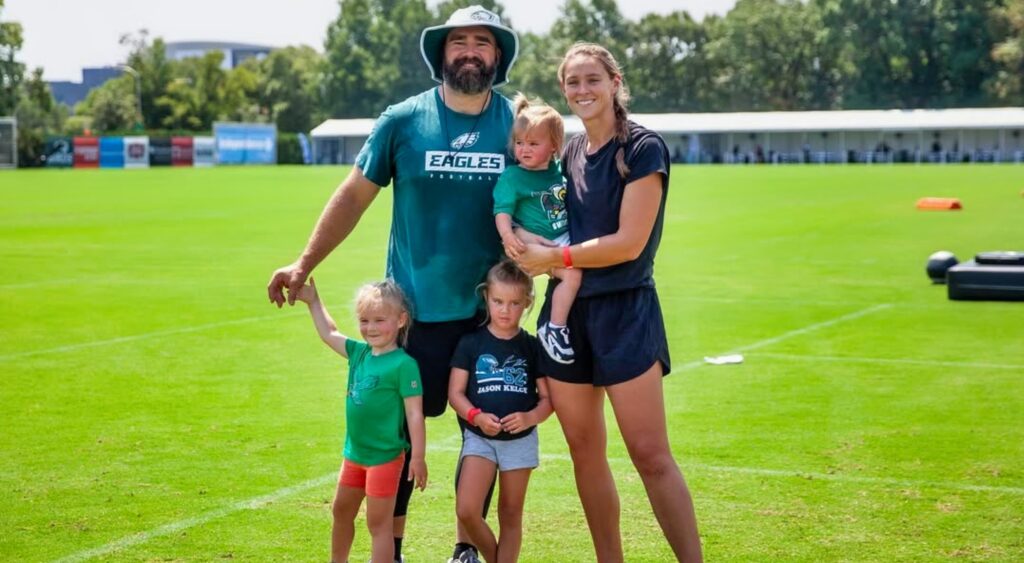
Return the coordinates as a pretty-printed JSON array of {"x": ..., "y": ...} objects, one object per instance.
[{"x": 442, "y": 151}]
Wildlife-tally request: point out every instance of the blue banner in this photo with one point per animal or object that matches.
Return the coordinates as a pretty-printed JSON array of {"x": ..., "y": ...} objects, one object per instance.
[
  {"x": 307, "y": 152},
  {"x": 245, "y": 143},
  {"x": 111, "y": 152},
  {"x": 60, "y": 152}
]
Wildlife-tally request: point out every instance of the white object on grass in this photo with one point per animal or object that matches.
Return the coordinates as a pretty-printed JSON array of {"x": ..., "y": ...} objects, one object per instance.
[{"x": 723, "y": 360}]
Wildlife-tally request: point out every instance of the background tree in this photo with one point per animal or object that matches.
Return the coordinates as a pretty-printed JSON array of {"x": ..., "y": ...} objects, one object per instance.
[
  {"x": 362, "y": 51},
  {"x": 38, "y": 115},
  {"x": 287, "y": 87},
  {"x": 908, "y": 54},
  {"x": 156, "y": 72},
  {"x": 774, "y": 55},
  {"x": 1006, "y": 82},
  {"x": 596, "y": 21},
  {"x": 111, "y": 106},
  {"x": 202, "y": 92},
  {"x": 669, "y": 65},
  {"x": 535, "y": 71},
  {"x": 11, "y": 71}
]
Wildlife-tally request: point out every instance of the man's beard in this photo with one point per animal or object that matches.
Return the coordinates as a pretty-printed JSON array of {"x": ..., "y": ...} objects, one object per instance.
[{"x": 469, "y": 79}]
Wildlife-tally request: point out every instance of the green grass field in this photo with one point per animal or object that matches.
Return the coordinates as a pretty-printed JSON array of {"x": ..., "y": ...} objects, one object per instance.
[{"x": 155, "y": 407}]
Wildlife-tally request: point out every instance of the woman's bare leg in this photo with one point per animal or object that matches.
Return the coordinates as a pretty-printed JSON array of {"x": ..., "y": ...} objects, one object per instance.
[
  {"x": 639, "y": 406},
  {"x": 580, "y": 410}
]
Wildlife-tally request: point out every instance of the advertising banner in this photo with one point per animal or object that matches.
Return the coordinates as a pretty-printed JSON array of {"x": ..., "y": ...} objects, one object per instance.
[
  {"x": 136, "y": 152},
  {"x": 204, "y": 151},
  {"x": 160, "y": 151},
  {"x": 87, "y": 152},
  {"x": 181, "y": 151},
  {"x": 245, "y": 143},
  {"x": 111, "y": 152},
  {"x": 59, "y": 152}
]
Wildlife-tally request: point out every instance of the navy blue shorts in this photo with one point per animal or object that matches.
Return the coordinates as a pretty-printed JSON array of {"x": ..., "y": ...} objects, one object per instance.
[
  {"x": 432, "y": 346},
  {"x": 616, "y": 337}
]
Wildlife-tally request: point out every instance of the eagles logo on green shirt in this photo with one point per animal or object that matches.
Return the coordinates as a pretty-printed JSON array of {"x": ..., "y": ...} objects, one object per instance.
[
  {"x": 534, "y": 198},
  {"x": 375, "y": 408},
  {"x": 443, "y": 166}
]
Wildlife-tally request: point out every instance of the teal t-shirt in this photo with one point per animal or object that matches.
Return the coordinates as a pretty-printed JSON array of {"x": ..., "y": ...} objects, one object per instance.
[
  {"x": 375, "y": 407},
  {"x": 443, "y": 166},
  {"x": 534, "y": 198}
]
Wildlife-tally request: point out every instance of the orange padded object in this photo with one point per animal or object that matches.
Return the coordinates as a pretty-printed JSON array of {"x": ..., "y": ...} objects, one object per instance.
[{"x": 939, "y": 203}]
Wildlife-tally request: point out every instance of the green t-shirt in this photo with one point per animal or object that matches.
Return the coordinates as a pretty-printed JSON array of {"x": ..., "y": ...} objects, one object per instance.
[
  {"x": 375, "y": 407},
  {"x": 443, "y": 166},
  {"x": 534, "y": 198}
]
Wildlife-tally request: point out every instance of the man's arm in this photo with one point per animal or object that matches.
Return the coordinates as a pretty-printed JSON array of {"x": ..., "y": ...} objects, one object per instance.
[{"x": 340, "y": 216}]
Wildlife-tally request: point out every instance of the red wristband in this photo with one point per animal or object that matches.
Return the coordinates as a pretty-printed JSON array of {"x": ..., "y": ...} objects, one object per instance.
[
  {"x": 472, "y": 414},
  {"x": 566, "y": 258}
]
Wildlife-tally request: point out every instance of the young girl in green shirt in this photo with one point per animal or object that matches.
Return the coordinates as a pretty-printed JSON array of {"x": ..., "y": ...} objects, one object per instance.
[{"x": 384, "y": 398}]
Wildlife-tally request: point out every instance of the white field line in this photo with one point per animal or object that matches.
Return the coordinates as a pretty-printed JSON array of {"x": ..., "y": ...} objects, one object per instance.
[
  {"x": 44, "y": 283},
  {"x": 446, "y": 447},
  {"x": 794, "y": 333},
  {"x": 174, "y": 527},
  {"x": 807, "y": 475},
  {"x": 899, "y": 361},
  {"x": 142, "y": 336}
]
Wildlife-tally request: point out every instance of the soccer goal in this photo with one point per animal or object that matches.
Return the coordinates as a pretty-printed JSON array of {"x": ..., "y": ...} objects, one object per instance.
[{"x": 8, "y": 142}]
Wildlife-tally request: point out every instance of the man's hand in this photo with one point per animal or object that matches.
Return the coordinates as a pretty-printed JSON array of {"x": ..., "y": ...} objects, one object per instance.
[{"x": 290, "y": 277}]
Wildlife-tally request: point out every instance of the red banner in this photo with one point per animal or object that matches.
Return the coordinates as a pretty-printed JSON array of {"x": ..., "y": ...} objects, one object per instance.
[
  {"x": 87, "y": 152},
  {"x": 181, "y": 151}
]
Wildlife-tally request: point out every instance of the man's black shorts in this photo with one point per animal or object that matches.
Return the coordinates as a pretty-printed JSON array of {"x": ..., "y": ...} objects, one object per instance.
[
  {"x": 616, "y": 337},
  {"x": 432, "y": 346}
]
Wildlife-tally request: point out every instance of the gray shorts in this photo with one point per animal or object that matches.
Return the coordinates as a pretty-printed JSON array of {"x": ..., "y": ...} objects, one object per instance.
[{"x": 521, "y": 453}]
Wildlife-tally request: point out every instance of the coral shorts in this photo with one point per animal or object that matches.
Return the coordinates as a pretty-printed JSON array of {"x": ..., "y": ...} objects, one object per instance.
[{"x": 378, "y": 480}]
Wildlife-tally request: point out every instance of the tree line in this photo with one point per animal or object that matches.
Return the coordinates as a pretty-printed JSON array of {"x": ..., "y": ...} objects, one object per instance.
[{"x": 762, "y": 55}]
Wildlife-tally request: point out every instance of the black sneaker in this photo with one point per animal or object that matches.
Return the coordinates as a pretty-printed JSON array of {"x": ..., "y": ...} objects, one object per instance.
[{"x": 556, "y": 343}]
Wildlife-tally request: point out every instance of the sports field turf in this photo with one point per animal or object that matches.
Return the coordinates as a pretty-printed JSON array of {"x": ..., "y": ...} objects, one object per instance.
[{"x": 155, "y": 407}]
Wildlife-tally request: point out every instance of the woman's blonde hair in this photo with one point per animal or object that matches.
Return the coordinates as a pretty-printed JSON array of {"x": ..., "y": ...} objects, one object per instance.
[
  {"x": 385, "y": 295},
  {"x": 534, "y": 114},
  {"x": 621, "y": 100}
]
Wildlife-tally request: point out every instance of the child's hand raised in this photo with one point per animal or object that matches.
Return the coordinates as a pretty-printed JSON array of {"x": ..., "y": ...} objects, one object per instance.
[
  {"x": 307, "y": 293},
  {"x": 488, "y": 423},
  {"x": 418, "y": 472}
]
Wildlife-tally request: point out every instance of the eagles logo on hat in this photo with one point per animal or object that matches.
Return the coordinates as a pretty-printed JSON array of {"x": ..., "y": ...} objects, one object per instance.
[{"x": 433, "y": 38}]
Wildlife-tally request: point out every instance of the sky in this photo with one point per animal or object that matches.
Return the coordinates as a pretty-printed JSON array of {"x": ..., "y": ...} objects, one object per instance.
[{"x": 62, "y": 36}]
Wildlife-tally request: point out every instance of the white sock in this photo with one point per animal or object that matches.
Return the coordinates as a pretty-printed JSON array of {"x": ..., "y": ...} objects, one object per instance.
[{"x": 553, "y": 325}]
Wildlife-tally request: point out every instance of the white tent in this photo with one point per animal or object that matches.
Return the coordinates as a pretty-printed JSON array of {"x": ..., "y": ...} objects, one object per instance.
[{"x": 920, "y": 135}]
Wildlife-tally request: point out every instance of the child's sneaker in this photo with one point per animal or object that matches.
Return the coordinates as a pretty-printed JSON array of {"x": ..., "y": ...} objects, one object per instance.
[
  {"x": 555, "y": 341},
  {"x": 467, "y": 556}
]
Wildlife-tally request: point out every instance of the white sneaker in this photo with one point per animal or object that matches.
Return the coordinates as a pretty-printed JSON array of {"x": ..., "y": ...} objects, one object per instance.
[{"x": 556, "y": 343}]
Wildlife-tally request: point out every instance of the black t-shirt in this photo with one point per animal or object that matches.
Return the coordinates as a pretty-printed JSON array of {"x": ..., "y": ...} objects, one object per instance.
[
  {"x": 502, "y": 375},
  {"x": 595, "y": 189}
]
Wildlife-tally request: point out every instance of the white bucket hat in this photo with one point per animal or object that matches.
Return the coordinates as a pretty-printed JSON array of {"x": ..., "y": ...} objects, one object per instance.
[{"x": 433, "y": 38}]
